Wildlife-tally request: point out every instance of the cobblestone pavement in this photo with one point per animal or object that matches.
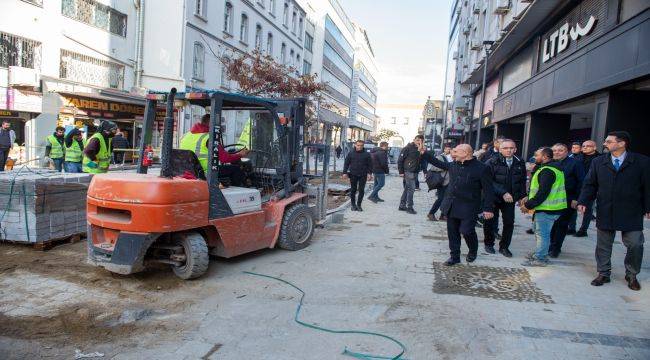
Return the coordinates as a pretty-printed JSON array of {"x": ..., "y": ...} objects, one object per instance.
[{"x": 379, "y": 270}]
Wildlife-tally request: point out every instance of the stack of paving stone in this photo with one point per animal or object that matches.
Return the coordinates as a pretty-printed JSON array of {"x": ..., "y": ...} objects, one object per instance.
[{"x": 37, "y": 206}]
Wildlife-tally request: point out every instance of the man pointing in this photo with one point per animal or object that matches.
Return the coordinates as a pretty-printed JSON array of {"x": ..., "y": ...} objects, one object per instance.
[{"x": 469, "y": 192}]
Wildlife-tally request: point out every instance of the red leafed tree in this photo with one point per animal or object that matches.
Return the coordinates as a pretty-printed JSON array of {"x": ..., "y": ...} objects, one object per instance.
[{"x": 259, "y": 74}]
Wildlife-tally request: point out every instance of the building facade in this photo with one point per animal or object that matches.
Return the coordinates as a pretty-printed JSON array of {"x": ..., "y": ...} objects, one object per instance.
[
  {"x": 557, "y": 71},
  {"x": 66, "y": 63},
  {"x": 404, "y": 119},
  {"x": 431, "y": 124}
]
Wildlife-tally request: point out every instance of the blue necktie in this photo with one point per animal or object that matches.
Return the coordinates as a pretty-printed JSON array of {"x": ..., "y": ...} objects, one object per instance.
[{"x": 617, "y": 164}]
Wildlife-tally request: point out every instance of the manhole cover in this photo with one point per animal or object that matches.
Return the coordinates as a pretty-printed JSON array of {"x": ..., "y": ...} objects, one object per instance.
[{"x": 489, "y": 282}]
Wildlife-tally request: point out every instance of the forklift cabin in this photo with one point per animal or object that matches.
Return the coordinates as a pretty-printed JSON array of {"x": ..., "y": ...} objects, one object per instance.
[{"x": 182, "y": 216}]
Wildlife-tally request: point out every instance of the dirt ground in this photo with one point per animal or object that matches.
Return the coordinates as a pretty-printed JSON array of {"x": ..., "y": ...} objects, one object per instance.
[{"x": 63, "y": 300}]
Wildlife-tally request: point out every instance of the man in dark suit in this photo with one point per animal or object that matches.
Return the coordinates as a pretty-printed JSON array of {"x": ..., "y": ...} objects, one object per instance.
[
  {"x": 509, "y": 180},
  {"x": 589, "y": 153},
  {"x": 620, "y": 182},
  {"x": 469, "y": 192},
  {"x": 574, "y": 173}
]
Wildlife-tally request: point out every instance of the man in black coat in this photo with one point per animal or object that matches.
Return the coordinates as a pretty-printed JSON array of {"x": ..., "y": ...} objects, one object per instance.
[
  {"x": 620, "y": 182},
  {"x": 588, "y": 154},
  {"x": 379, "y": 157},
  {"x": 573, "y": 176},
  {"x": 469, "y": 192},
  {"x": 509, "y": 181},
  {"x": 357, "y": 167},
  {"x": 408, "y": 166}
]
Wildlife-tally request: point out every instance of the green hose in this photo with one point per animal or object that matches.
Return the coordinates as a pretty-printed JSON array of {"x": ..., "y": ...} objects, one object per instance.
[{"x": 312, "y": 326}]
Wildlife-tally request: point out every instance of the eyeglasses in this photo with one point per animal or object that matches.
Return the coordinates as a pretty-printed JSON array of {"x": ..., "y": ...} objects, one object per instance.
[{"x": 611, "y": 141}]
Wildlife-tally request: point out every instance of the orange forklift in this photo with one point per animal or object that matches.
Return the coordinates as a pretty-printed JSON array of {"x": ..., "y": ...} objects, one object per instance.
[{"x": 184, "y": 215}]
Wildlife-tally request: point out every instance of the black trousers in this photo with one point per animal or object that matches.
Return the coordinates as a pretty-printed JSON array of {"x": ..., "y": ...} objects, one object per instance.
[
  {"x": 559, "y": 230},
  {"x": 357, "y": 186},
  {"x": 4, "y": 153},
  {"x": 465, "y": 227},
  {"x": 440, "y": 194},
  {"x": 507, "y": 211}
]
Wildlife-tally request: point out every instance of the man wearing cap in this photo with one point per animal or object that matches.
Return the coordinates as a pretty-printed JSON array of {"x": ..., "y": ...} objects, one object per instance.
[{"x": 97, "y": 153}]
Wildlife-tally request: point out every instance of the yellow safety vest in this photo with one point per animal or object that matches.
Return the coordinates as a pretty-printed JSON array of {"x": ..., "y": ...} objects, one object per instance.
[
  {"x": 57, "y": 151},
  {"x": 556, "y": 199},
  {"x": 73, "y": 152},
  {"x": 103, "y": 156},
  {"x": 198, "y": 144}
]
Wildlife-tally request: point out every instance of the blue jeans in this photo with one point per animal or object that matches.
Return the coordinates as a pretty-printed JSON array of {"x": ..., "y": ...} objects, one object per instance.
[
  {"x": 543, "y": 225},
  {"x": 58, "y": 164},
  {"x": 72, "y": 167},
  {"x": 380, "y": 181}
]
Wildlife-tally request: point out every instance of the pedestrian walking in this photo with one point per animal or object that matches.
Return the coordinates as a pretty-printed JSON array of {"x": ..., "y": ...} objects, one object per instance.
[
  {"x": 74, "y": 148},
  {"x": 408, "y": 165},
  {"x": 573, "y": 176},
  {"x": 588, "y": 154},
  {"x": 620, "y": 183},
  {"x": 358, "y": 168},
  {"x": 548, "y": 199},
  {"x": 468, "y": 179},
  {"x": 338, "y": 150},
  {"x": 493, "y": 150},
  {"x": 55, "y": 148},
  {"x": 509, "y": 182},
  {"x": 121, "y": 144},
  {"x": 7, "y": 139},
  {"x": 379, "y": 157},
  {"x": 440, "y": 192}
]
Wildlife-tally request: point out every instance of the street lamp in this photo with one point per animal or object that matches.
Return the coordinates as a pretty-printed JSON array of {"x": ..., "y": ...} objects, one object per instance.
[
  {"x": 487, "y": 45},
  {"x": 433, "y": 128}
]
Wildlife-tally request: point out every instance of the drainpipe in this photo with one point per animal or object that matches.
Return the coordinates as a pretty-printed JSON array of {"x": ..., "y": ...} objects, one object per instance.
[{"x": 139, "y": 41}]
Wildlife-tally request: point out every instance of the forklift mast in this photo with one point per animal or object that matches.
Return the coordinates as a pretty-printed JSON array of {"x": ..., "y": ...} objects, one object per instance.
[{"x": 288, "y": 116}]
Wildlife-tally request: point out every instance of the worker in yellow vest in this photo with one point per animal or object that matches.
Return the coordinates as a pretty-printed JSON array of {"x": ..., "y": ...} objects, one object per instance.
[
  {"x": 97, "y": 153},
  {"x": 197, "y": 141},
  {"x": 55, "y": 148},
  {"x": 74, "y": 147}
]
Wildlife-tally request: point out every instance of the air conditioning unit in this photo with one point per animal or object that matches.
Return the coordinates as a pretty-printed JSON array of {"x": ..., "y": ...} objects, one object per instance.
[
  {"x": 476, "y": 8},
  {"x": 503, "y": 6},
  {"x": 20, "y": 76},
  {"x": 458, "y": 12},
  {"x": 467, "y": 29},
  {"x": 475, "y": 44},
  {"x": 455, "y": 55}
]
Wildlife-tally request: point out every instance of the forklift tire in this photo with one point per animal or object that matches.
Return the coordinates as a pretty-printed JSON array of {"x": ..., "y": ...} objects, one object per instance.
[
  {"x": 297, "y": 228},
  {"x": 196, "y": 252}
]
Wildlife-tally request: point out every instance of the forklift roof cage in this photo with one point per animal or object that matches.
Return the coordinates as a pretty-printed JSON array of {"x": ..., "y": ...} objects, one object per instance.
[{"x": 288, "y": 116}]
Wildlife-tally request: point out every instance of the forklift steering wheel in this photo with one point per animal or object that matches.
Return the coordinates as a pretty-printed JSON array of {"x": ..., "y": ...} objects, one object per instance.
[{"x": 233, "y": 148}]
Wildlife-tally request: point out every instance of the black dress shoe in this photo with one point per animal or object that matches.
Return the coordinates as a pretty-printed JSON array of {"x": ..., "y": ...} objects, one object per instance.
[
  {"x": 379, "y": 199},
  {"x": 632, "y": 282},
  {"x": 452, "y": 262},
  {"x": 490, "y": 249},
  {"x": 373, "y": 199},
  {"x": 553, "y": 254},
  {"x": 530, "y": 231},
  {"x": 600, "y": 280},
  {"x": 411, "y": 211},
  {"x": 471, "y": 257},
  {"x": 402, "y": 208},
  {"x": 359, "y": 208},
  {"x": 505, "y": 252},
  {"x": 580, "y": 233}
]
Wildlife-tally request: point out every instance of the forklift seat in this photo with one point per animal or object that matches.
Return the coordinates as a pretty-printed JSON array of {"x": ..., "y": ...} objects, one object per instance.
[{"x": 186, "y": 161}]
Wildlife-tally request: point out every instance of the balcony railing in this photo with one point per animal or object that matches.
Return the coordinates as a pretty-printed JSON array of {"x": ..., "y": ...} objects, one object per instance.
[
  {"x": 19, "y": 51},
  {"x": 91, "y": 71}
]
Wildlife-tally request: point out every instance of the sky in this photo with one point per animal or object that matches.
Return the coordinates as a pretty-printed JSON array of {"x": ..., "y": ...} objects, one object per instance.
[{"x": 409, "y": 41}]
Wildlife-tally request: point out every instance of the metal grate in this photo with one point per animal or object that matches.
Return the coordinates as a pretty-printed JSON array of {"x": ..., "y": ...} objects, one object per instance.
[
  {"x": 89, "y": 70},
  {"x": 19, "y": 51},
  {"x": 95, "y": 14},
  {"x": 498, "y": 283}
]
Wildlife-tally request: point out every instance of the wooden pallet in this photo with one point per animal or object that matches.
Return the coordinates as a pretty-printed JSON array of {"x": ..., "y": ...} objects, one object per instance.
[{"x": 49, "y": 244}]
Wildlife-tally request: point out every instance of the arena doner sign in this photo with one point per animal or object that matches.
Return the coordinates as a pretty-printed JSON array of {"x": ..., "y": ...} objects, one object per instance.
[{"x": 104, "y": 108}]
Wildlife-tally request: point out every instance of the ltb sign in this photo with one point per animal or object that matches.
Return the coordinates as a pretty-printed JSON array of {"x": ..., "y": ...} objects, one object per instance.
[{"x": 558, "y": 41}]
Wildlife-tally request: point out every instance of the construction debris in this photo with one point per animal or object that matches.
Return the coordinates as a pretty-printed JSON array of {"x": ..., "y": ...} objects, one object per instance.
[{"x": 38, "y": 205}]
